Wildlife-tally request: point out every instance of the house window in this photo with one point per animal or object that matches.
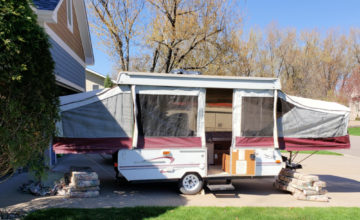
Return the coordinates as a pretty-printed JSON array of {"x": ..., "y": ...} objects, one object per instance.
[
  {"x": 69, "y": 13},
  {"x": 95, "y": 87}
]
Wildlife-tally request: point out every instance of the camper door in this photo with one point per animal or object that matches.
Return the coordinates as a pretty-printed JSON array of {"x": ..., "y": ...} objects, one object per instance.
[
  {"x": 169, "y": 134},
  {"x": 255, "y": 148}
]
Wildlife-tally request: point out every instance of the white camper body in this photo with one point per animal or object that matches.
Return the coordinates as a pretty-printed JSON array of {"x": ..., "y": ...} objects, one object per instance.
[
  {"x": 164, "y": 163},
  {"x": 193, "y": 128}
]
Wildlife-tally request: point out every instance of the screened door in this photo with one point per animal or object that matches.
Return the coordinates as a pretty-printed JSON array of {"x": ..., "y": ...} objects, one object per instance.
[{"x": 253, "y": 118}]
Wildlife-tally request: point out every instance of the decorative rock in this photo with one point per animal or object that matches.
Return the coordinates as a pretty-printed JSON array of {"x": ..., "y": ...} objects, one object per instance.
[
  {"x": 316, "y": 198},
  {"x": 294, "y": 174},
  {"x": 37, "y": 189},
  {"x": 84, "y": 183},
  {"x": 303, "y": 187},
  {"x": 312, "y": 192},
  {"x": 314, "y": 188},
  {"x": 284, "y": 186},
  {"x": 93, "y": 188},
  {"x": 78, "y": 176},
  {"x": 320, "y": 184},
  {"x": 295, "y": 181}
]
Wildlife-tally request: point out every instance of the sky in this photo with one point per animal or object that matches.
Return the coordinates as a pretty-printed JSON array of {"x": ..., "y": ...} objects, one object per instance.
[{"x": 322, "y": 15}]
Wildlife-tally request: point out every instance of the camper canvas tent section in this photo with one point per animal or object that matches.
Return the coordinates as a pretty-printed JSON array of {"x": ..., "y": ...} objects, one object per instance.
[
  {"x": 99, "y": 121},
  {"x": 307, "y": 124},
  {"x": 302, "y": 124},
  {"x": 103, "y": 121}
]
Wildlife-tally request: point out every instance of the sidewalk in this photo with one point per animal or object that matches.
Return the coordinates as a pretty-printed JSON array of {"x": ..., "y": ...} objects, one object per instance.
[
  {"x": 354, "y": 124},
  {"x": 354, "y": 147}
]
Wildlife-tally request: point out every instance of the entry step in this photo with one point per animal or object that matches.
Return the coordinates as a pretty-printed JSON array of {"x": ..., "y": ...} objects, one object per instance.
[{"x": 220, "y": 187}]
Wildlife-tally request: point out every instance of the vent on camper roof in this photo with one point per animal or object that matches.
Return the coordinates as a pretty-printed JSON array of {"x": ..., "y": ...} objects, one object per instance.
[{"x": 185, "y": 72}]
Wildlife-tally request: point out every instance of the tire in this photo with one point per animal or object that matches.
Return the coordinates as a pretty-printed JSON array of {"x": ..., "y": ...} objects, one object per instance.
[{"x": 190, "y": 184}]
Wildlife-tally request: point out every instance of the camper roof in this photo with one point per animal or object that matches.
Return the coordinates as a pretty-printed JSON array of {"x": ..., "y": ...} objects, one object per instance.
[{"x": 197, "y": 81}]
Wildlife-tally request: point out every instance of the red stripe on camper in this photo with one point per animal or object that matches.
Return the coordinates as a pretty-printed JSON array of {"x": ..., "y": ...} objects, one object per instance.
[
  {"x": 296, "y": 144},
  {"x": 254, "y": 141},
  {"x": 169, "y": 142},
  {"x": 111, "y": 145},
  {"x": 90, "y": 145},
  {"x": 299, "y": 144}
]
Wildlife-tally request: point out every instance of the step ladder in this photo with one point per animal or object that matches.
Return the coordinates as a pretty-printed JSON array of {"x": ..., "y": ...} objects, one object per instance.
[{"x": 228, "y": 186}]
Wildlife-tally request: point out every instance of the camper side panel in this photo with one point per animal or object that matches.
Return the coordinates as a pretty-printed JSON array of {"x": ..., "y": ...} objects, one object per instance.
[{"x": 161, "y": 164}]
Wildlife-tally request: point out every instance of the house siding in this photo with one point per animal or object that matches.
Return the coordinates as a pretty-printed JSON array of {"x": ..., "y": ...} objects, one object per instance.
[
  {"x": 73, "y": 40},
  {"x": 66, "y": 66},
  {"x": 92, "y": 79}
]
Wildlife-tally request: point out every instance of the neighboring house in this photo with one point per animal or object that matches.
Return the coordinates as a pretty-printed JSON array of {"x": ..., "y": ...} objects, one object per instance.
[
  {"x": 94, "y": 80},
  {"x": 65, "y": 21}
]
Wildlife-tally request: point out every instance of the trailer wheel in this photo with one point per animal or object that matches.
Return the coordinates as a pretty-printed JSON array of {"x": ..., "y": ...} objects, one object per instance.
[{"x": 190, "y": 184}]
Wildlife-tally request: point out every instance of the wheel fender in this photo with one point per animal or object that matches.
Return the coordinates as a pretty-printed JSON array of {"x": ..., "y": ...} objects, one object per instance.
[{"x": 192, "y": 172}]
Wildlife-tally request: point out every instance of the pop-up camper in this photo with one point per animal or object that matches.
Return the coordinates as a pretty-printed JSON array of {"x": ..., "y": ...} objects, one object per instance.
[{"x": 193, "y": 128}]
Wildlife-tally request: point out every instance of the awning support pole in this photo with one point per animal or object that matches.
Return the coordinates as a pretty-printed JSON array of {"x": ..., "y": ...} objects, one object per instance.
[
  {"x": 275, "y": 132},
  {"x": 308, "y": 156},
  {"x": 135, "y": 131}
]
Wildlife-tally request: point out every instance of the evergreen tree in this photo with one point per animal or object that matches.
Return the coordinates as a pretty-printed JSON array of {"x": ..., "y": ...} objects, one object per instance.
[
  {"x": 108, "y": 83},
  {"x": 28, "y": 101}
]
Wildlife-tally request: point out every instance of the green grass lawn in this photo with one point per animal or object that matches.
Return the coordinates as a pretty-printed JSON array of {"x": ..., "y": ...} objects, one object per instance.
[
  {"x": 354, "y": 131},
  {"x": 323, "y": 152},
  {"x": 184, "y": 213}
]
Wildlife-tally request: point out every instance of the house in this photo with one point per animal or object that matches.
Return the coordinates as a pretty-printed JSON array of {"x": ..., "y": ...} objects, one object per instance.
[
  {"x": 94, "y": 80},
  {"x": 65, "y": 21}
]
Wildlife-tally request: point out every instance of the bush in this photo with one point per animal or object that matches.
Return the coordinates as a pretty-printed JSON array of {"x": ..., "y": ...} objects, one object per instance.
[
  {"x": 108, "y": 83},
  {"x": 28, "y": 101}
]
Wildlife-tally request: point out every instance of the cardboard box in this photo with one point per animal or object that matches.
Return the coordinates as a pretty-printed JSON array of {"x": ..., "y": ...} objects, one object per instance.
[{"x": 241, "y": 167}]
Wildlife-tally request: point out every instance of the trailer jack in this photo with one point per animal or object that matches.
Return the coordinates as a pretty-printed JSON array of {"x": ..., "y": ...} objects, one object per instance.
[{"x": 290, "y": 161}]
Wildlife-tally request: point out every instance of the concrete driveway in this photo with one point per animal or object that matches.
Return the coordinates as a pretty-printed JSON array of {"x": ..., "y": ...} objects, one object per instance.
[
  {"x": 354, "y": 149},
  {"x": 340, "y": 172}
]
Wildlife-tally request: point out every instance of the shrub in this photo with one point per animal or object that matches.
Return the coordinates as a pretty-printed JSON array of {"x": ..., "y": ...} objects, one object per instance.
[
  {"x": 28, "y": 101},
  {"x": 108, "y": 83}
]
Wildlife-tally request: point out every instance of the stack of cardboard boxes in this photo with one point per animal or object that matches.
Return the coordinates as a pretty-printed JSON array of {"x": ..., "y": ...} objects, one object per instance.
[{"x": 243, "y": 163}]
